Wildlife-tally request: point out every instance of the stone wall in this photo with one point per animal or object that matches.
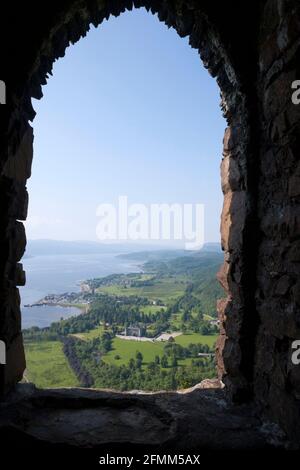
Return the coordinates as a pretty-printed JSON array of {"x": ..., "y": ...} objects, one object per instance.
[
  {"x": 253, "y": 52},
  {"x": 277, "y": 380}
]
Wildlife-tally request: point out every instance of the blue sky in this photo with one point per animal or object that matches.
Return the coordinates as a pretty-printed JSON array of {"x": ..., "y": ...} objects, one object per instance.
[{"x": 130, "y": 110}]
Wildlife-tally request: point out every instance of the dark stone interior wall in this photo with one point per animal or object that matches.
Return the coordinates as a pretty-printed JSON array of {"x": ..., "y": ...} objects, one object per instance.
[
  {"x": 277, "y": 380},
  {"x": 251, "y": 48}
]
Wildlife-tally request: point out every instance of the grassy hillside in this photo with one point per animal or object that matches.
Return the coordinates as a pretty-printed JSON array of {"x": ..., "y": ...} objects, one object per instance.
[
  {"x": 47, "y": 365},
  {"x": 165, "y": 289},
  {"x": 199, "y": 270}
]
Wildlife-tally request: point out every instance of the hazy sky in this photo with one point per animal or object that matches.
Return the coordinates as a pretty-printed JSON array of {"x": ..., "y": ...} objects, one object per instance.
[{"x": 130, "y": 110}]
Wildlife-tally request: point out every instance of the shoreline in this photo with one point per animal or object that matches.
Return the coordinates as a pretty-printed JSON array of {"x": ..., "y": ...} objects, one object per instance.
[{"x": 58, "y": 304}]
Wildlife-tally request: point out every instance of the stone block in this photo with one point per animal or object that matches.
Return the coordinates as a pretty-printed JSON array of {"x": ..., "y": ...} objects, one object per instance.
[{"x": 18, "y": 166}]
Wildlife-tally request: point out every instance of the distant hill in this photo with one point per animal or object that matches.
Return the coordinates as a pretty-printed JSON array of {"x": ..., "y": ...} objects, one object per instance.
[
  {"x": 60, "y": 247},
  {"x": 56, "y": 247},
  {"x": 194, "y": 264},
  {"x": 200, "y": 268},
  {"x": 168, "y": 254},
  {"x": 44, "y": 247},
  {"x": 153, "y": 255}
]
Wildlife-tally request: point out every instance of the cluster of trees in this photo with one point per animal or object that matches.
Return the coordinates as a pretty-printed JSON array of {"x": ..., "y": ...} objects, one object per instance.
[
  {"x": 164, "y": 373},
  {"x": 142, "y": 283},
  {"x": 181, "y": 352},
  {"x": 187, "y": 302},
  {"x": 152, "y": 377},
  {"x": 115, "y": 311},
  {"x": 160, "y": 322},
  {"x": 105, "y": 281},
  {"x": 131, "y": 279},
  {"x": 40, "y": 334},
  {"x": 106, "y": 310},
  {"x": 174, "y": 352},
  {"x": 196, "y": 324},
  {"x": 75, "y": 360}
]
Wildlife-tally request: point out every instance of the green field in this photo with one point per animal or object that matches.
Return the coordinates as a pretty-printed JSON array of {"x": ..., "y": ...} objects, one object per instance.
[
  {"x": 165, "y": 289},
  {"x": 151, "y": 309},
  {"x": 196, "y": 338},
  {"x": 92, "y": 334},
  {"x": 127, "y": 349},
  {"x": 187, "y": 288},
  {"x": 47, "y": 365},
  {"x": 144, "y": 277}
]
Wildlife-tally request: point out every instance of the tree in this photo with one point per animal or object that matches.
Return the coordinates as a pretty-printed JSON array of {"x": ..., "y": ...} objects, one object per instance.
[
  {"x": 184, "y": 328},
  {"x": 138, "y": 363},
  {"x": 206, "y": 330},
  {"x": 139, "y": 356},
  {"x": 199, "y": 316},
  {"x": 164, "y": 362},
  {"x": 157, "y": 360},
  {"x": 174, "y": 361},
  {"x": 186, "y": 316},
  {"x": 152, "y": 367}
]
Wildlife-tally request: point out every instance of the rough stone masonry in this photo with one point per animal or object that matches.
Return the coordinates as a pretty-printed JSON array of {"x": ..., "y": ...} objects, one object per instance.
[{"x": 253, "y": 51}]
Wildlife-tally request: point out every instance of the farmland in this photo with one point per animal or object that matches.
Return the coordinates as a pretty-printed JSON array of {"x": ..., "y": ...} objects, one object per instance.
[
  {"x": 174, "y": 296},
  {"x": 47, "y": 366}
]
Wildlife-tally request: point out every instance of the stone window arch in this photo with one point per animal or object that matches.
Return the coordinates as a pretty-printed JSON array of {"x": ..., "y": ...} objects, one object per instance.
[{"x": 235, "y": 345}]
